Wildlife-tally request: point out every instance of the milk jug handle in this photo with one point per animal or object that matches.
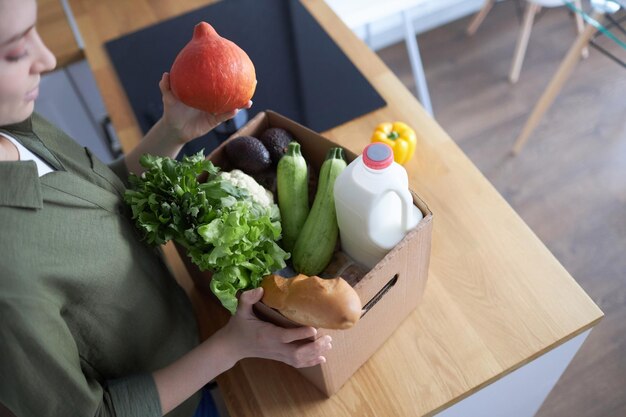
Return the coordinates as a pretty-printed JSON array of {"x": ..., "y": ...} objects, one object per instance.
[
  {"x": 406, "y": 219},
  {"x": 407, "y": 210}
]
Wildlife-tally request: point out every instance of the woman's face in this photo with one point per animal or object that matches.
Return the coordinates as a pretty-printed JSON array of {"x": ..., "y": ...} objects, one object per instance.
[{"x": 23, "y": 58}]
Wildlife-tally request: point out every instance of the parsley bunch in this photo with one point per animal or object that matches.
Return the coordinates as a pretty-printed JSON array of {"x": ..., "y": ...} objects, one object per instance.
[{"x": 220, "y": 226}]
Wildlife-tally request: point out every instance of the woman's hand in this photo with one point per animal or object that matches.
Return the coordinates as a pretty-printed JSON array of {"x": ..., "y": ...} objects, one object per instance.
[
  {"x": 186, "y": 123},
  {"x": 244, "y": 336},
  {"x": 248, "y": 336},
  {"x": 178, "y": 125}
]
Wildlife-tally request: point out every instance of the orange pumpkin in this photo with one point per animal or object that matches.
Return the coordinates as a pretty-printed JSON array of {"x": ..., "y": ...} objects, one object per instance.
[{"x": 212, "y": 73}]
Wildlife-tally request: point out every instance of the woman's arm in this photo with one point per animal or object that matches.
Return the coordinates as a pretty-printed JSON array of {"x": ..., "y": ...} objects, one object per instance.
[
  {"x": 178, "y": 125},
  {"x": 244, "y": 336}
]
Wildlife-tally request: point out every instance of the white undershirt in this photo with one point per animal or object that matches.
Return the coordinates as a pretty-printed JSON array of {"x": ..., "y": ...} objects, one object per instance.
[{"x": 43, "y": 167}]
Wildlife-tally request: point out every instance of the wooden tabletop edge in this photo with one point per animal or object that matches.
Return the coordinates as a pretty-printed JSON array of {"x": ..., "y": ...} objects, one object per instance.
[{"x": 517, "y": 366}]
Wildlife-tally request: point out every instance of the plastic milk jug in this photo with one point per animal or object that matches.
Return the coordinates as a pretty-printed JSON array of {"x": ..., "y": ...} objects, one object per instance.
[{"x": 374, "y": 205}]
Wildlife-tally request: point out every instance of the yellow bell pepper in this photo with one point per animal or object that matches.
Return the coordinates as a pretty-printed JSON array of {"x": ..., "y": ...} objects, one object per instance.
[{"x": 400, "y": 137}]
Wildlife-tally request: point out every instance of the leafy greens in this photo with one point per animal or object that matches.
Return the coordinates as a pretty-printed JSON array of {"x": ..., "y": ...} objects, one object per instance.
[{"x": 222, "y": 228}]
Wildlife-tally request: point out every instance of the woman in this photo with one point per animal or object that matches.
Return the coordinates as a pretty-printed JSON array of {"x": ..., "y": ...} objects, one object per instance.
[{"x": 92, "y": 323}]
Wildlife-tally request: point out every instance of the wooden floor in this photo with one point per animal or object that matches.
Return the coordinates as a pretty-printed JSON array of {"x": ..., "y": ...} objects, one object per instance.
[{"x": 568, "y": 183}]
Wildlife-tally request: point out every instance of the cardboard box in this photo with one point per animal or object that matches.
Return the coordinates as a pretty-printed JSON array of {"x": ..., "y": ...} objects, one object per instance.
[{"x": 389, "y": 292}]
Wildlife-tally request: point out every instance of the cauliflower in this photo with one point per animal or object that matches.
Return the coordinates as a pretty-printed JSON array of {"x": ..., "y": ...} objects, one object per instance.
[{"x": 240, "y": 179}]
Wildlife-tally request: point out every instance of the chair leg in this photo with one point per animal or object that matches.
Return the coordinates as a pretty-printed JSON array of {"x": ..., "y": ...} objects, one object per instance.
[
  {"x": 522, "y": 41},
  {"x": 580, "y": 26},
  {"x": 480, "y": 16},
  {"x": 416, "y": 63},
  {"x": 556, "y": 83}
]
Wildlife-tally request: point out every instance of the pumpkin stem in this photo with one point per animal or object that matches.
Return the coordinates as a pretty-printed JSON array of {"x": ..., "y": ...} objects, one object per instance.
[{"x": 203, "y": 30}]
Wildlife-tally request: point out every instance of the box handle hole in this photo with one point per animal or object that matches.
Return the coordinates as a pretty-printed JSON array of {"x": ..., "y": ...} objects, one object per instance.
[{"x": 371, "y": 303}]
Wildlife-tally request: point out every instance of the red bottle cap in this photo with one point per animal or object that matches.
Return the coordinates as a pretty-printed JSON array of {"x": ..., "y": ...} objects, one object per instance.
[{"x": 377, "y": 155}]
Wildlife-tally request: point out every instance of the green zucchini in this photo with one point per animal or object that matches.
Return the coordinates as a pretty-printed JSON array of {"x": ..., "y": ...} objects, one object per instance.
[
  {"x": 316, "y": 242},
  {"x": 293, "y": 194}
]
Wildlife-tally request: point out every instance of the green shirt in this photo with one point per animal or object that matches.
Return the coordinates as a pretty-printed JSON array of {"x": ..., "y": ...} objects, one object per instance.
[{"x": 87, "y": 311}]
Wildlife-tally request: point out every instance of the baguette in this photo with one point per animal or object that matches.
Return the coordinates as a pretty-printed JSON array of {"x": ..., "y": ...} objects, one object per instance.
[{"x": 313, "y": 301}]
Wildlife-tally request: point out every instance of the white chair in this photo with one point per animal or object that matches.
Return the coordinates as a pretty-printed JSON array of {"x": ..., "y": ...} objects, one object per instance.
[
  {"x": 362, "y": 13},
  {"x": 532, "y": 8},
  {"x": 601, "y": 8}
]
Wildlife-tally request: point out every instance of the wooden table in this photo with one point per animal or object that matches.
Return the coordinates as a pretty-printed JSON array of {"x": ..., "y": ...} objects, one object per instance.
[{"x": 496, "y": 298}]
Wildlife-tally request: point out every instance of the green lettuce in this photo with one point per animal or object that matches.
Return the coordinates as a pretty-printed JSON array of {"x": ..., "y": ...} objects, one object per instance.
[{"x": 222, "y": 228}]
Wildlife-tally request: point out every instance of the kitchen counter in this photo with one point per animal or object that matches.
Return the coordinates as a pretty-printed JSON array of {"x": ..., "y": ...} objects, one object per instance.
[{"x": 497, "y": 302}]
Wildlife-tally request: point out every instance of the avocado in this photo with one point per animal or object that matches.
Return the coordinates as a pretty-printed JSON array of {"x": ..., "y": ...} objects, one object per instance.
[
  {"x": 248, "y": 154},
  {"x": 267, "y": 178},
  {"x": 276, "y": 140}
]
